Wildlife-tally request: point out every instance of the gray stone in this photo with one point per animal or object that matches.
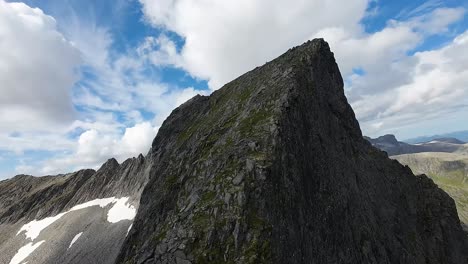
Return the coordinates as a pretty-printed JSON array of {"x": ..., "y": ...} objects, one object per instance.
[{"x": 238, "y": 179}]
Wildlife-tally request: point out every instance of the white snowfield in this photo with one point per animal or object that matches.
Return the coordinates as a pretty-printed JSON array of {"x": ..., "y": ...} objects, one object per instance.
[{"x": 121, "y": 210}]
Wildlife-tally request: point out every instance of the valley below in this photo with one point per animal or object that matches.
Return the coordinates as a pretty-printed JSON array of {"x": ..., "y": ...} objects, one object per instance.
[{"x": 448, "y": 170}]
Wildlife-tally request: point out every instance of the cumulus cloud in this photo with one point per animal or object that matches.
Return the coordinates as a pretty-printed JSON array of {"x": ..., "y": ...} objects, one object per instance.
[
  {"x": 38, "y": 68},
  {"x": 437, "y": 87},
  {"x": 224, "y": 39},
  {"x": 94, "y": 148},
  {"x": 137, "y": 139},
  {"x": 398, "y": 89}
]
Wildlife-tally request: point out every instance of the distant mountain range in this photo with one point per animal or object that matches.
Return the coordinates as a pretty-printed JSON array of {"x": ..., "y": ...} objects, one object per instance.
[
  {"x": 461, "y": 135},
  {"x": 392, "y": 146}
]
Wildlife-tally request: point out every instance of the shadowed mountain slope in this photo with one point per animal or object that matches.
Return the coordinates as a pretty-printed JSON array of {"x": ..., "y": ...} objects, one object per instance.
[
  {"x": 273, "y": 168},
  {"x": 448, "y": 170}
]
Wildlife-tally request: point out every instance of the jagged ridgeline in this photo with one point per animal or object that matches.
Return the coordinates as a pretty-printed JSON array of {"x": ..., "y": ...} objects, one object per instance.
[
  {"x": 80, "y": 217},
  {"x": 273, "y": 168}
]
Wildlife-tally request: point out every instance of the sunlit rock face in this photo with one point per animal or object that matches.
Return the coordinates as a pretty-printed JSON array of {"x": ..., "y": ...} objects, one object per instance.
[{"x": 82, "y": 217}]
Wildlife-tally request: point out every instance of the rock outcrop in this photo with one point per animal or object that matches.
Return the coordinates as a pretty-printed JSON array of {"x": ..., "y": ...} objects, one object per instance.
[{"x": 273, "y": 168}]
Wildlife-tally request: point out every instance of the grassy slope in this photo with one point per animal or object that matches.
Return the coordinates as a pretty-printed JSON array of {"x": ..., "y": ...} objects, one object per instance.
[{"x": 448, "y": 170}]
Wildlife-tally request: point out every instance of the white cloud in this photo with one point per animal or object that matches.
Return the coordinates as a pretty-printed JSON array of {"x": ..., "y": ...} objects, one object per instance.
[
  {"x": 437, "y": 87},
  {"x": 368, "y": 51},
  {"x": 160, "y": 51},
  {"x": 94, "y": 147},
  {"x": 437, "y": 21},
  {"x": 121, "y": 82},
  {"x": 398, "y": 89},
  {"x": 383, "y": 55},
  {"x": 224, "y": 39},
  {"x": 137, "y": 139},
  {"x": 37, "y": 70}
]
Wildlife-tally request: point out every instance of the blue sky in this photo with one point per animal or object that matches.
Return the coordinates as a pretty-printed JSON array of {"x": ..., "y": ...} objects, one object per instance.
[{"x": 84, "y": 80}]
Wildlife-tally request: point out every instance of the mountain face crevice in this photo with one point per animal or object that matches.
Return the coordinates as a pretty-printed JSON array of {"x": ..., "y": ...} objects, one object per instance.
[{"x": 273, "y": 168}]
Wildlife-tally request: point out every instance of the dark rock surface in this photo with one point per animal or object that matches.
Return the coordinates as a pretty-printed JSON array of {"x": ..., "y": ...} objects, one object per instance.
[{"x": 273, "y": 168}]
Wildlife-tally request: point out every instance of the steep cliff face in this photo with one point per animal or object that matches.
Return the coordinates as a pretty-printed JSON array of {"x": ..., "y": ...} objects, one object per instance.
[
  {"x": 272, "y": 168},
  {"x": 81, "y": 217}
]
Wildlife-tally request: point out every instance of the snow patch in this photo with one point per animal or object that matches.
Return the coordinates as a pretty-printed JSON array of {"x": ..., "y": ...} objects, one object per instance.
[
  {"x": 128, "y": 230},
  {"x": 25, "y": 251},
  {"x": 121, "y": 210},
  {"x": 34, "y": 228},
  {"x": 75, "y": 239},
  {"x": 98, "y": 202}
]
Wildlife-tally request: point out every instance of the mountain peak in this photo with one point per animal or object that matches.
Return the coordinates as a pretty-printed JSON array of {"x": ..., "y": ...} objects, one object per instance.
[
  {"x": 276, "y": 149},
  {"x": 389, "y": 137},
  {"x": 110, "y": 164}
]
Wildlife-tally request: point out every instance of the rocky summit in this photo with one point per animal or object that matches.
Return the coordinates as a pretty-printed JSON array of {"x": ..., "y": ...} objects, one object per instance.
[{"x": 271, "y": 168}]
